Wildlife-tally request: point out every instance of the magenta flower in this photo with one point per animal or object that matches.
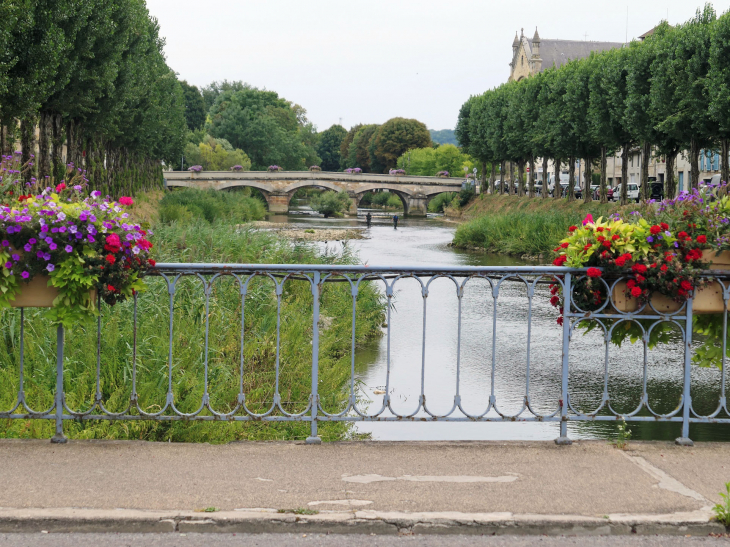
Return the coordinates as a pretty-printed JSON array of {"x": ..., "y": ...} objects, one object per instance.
[
  {"x": 68, "y": 248},
  {"x": 25, "y": 275}
]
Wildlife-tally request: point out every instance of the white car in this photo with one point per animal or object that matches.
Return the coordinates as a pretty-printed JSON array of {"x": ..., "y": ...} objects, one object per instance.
[{"x": 632, "y": 192}]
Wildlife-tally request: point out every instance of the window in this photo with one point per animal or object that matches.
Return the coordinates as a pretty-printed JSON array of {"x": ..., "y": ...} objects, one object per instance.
[
  {"x": 702, "y": 160},
  {"x": 716, "y": 162},
  {"x": 681, "y": 181}
]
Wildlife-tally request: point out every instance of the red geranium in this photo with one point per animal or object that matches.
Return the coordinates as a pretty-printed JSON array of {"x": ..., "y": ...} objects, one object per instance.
[
  {"x": 111, "y": 259},
  {"x": 702, "y": 239},
  {"x": 655, "y": 229},
  {"x": 572, "y": 228},
  {"x": 593, "y": 272},
  {"x": 636, "y": 292},
  {"x": 639, "y": 268}
]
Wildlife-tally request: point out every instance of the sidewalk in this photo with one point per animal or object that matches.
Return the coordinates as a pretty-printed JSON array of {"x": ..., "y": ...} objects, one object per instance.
[{"x": 373, "y": 487}]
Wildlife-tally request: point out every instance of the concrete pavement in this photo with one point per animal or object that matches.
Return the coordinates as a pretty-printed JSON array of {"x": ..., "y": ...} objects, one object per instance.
[{"x": 369, "y": 487}]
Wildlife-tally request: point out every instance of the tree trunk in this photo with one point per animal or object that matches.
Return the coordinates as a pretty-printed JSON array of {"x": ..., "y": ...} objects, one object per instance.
[
  {"x": 588, "y": 176},
  {"x": 484, "y": 177},
  {"x": 694, "y": 159},
  {"x": 510, "y": 184},
  {"x": 492, "y": 178},
  {"x": 27, "y": 134},
  {"x": 625, "y": 172},
  {"x": 59, "y": 169},
  {"x": 571, "y": 178},
  {"x": 725, "y": 169},
  {"x": 44, "y": 147},
  {"x": 521, "y": 178},
  {"x": 556, "y": 185},
  {"x": 532, "y": 177},
  {"x": 604, "y": 167},
  {"x": 645, "y": 160},
  {"x": 502, "y": 171},
  {"x": 3, "y": 136},
  {"x": 671, "y": 183},
  {"x": 544, "y": 177}
]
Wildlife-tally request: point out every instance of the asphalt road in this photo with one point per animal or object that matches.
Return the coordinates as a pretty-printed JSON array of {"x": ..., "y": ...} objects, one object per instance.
[{"x": 317, "y": 540}]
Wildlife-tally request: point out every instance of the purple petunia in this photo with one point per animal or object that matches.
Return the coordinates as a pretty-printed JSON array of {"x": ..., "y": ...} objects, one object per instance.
[
  {"x": 50, "y": 267},
  {"x": 8, "y": 265},
  {"x": 53, "y": 246},
  {"x": 28, "y": 247},
  {"x": 25, "y": 275},
  {"x": 68, "y": 248},
  {"x": 15, "y": 257}
]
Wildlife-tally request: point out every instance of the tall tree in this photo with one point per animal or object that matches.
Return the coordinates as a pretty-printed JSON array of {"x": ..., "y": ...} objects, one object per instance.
[
  {"x": 718, "y": 88},
  {"x": 396, "y": 136},
  {"x": 328, "y": 147},
  {"x": 194, "y": 106}
]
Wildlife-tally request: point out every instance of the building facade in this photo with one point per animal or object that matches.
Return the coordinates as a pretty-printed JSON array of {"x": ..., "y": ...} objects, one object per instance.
[{"x": 531, "y": 56}]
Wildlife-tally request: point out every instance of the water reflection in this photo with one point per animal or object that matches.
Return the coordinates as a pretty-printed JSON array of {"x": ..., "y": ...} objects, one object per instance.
[{"x": 425, "y": 242}]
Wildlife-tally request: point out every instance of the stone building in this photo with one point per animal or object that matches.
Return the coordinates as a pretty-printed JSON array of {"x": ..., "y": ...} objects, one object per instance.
[{"x": 532, "y": 56}]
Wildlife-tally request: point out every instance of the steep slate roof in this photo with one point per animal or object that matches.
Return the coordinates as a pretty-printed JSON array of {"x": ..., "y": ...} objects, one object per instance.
[{"x": 559, "y": 52}]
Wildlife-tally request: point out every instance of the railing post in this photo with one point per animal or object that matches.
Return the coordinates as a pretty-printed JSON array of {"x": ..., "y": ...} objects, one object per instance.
[
  {"x": 59, "y": 437},
  {"x": 684, "y": 440},
  {"x": 313, "y": 436},
  {"x": 563, "y": 439}
]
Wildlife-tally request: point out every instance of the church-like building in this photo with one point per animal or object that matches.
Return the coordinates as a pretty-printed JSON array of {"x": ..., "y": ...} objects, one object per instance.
[{"x": 532, "y": 56}]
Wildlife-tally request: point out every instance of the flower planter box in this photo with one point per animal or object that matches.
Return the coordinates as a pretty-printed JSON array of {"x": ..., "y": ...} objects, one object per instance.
[
  {"x": 719, "y": 261},
  {"x": 35, "y": 294},
  {"x": 38, "y": 294},
  {"x": 706, "y": 301}
]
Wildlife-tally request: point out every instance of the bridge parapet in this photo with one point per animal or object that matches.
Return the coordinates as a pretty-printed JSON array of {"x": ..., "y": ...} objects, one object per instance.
[{"x": 278, "y": 187}]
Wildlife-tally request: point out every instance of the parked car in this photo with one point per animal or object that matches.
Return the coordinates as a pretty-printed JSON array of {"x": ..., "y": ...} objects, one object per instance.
[
  {"x": 632, "y": 192},
  {"x": 577, "y": 190},
  {"x": 656, "y": 191},
  {"x": 597, "y": 193}
]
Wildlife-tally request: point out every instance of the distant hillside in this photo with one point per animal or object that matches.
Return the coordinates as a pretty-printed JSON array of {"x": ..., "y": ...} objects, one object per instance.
[{"x": 443, "y": 136}]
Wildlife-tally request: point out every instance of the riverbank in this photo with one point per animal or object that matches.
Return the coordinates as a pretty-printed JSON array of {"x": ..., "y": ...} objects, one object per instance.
[
  {"x": 196, "y": 241},
  {"x": 522, "y": 226},
  {"x": 290, "y": 231}
]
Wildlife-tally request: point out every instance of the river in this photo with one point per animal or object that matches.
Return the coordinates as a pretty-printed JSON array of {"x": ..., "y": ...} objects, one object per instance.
[{"x": 419, "y": 242}]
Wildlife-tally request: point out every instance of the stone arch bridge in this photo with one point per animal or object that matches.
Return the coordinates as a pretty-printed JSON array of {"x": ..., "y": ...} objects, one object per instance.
[{"x": 279, "y": 187}]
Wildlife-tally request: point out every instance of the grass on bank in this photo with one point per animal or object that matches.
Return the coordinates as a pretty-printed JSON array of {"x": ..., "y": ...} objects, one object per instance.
[
  {"x": 517, "y": 226},
  {"x": 196, "y": 241}
]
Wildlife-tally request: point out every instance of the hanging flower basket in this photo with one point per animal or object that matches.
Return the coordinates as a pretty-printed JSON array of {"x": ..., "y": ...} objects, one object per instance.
[
  {"x": 443, "y": 174},
  {"x": 237, "y": 168},
  {"x": 397, "y": 172},
  {"x": 274, "y": 169},
  {"x": 353, "y": 170},
  {"x": 315, "y": 168},
  {"x": 195, "y": 168},
  {"x": 60, "y": 249}
]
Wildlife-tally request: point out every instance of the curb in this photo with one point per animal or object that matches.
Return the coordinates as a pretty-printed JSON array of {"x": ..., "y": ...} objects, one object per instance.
[{"x": 254, "y": 521}]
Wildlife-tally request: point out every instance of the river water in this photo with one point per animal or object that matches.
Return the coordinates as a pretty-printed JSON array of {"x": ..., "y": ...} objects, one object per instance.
[{"x": 419, "y": 242}]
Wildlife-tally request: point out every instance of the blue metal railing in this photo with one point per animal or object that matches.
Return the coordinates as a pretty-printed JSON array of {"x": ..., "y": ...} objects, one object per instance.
[{"x": 533, "y": 281}]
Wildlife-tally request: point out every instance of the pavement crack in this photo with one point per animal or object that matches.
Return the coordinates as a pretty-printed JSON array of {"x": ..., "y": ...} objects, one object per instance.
[{"x": 666, "y": 481}]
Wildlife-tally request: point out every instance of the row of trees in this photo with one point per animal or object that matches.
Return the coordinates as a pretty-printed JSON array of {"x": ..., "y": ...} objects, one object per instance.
[
  {"x": 373, "y": 148},
  {"x": 665, "y": 95},
  {"x": 90, "y": 75}
]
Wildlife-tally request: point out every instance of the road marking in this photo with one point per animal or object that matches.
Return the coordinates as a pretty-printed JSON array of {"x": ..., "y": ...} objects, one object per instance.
[
  {"x": 367, "y": 479},
  {"x": 666, "y": 482}
]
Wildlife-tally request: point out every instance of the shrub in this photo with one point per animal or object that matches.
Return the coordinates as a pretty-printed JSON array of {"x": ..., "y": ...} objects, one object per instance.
[
  {"x": 330, "y": 202},
  {"x": 440, "y": 202},
  {"x": 210, "y": 205}
]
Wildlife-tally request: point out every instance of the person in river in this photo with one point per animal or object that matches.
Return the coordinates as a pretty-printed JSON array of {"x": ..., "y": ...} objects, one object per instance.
[
  {"x": 369, "y": 219},
  {"x": 395, "y": 222}
]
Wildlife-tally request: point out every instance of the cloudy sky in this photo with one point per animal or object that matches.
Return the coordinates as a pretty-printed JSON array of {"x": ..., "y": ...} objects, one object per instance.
[{"x": 365, "y": 61}]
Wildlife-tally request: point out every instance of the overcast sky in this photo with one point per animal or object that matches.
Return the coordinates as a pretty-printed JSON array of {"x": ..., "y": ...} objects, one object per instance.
[{"x": 365, "y": 61}]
